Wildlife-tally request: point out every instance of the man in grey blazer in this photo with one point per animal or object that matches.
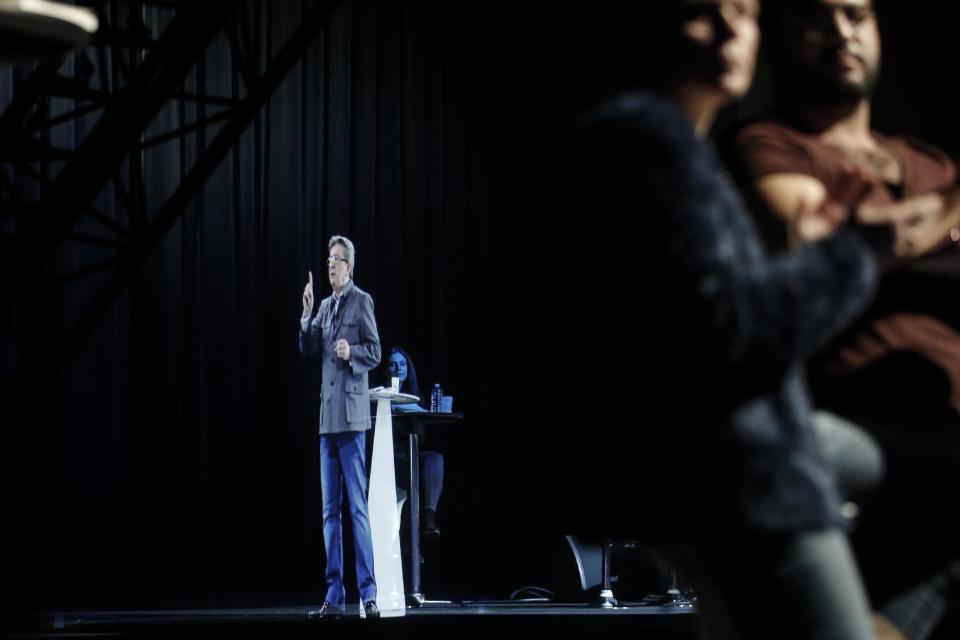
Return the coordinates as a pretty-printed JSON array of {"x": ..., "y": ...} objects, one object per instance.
[{"x": 345, "y": 332}]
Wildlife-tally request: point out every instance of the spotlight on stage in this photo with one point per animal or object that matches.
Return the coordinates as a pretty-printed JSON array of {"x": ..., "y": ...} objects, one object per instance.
[{"x": 31, "y": 29}]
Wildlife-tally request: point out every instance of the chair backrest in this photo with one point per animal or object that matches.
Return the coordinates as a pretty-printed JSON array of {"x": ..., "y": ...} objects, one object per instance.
[{"x": 589, "y": 559}]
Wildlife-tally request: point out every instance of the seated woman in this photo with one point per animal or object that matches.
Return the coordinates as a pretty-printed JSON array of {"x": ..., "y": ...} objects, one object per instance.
[{"x": 399, "y": 365}]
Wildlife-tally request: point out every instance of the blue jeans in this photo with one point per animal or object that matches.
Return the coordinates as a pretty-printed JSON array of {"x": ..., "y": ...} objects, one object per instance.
[
  {"x": 342, "y": 462},
  {"x": 431, "y": 477}
]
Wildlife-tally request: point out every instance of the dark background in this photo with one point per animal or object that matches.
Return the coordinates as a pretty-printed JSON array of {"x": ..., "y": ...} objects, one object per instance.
[{"x": 175, "y": 461}]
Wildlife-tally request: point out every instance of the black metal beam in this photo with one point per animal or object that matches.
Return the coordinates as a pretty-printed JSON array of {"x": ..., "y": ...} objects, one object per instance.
[
  {"x": 145, "y": 240},
  {"x": 114, "y": 136}
]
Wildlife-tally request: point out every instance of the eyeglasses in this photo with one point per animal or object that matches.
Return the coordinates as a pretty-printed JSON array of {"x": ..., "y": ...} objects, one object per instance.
[{"x": 332, "y": 260}]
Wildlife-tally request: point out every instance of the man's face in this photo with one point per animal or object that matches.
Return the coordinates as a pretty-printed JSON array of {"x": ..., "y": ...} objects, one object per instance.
[
  {"x": 720, "y": 39},
  {"x": 397, "y": 366},
  {"x": 832, "y": 47},
  {"x": 337, "y": 267}
]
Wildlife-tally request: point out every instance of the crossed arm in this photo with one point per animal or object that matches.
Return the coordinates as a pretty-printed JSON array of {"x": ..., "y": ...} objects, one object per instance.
[{"x": 921, "y": 223}]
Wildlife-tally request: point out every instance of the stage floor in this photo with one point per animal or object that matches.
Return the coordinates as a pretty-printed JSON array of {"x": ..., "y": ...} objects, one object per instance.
[{"x": 501, "y": 620}]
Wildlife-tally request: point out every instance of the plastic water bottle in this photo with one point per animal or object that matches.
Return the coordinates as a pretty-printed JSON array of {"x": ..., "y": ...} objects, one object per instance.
[{"x": 435, "y": 397}]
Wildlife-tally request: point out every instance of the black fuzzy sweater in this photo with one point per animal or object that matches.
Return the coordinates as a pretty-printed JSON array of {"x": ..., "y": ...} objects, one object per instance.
[{"x": 684, "y": 343}]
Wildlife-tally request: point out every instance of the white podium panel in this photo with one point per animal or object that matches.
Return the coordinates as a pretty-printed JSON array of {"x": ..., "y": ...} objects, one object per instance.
[{"x": 384, "y": 519}]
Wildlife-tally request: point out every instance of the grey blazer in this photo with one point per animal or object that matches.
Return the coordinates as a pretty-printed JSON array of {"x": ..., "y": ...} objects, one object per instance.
[{"x": 345, "y": 396}]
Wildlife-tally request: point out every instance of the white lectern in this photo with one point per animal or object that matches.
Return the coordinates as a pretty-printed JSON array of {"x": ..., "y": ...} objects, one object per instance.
[{"x": 382, "y": 505}]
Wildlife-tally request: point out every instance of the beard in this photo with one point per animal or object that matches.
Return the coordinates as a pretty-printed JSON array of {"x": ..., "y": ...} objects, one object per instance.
[{"x": 813, "y": 86}]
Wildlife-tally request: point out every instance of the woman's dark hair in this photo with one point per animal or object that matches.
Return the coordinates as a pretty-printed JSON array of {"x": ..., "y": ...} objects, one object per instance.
[{"x": 409, "y": 385}]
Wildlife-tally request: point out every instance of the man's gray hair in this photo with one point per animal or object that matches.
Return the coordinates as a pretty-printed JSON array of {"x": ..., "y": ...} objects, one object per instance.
[{"x": 347, "y": 248}]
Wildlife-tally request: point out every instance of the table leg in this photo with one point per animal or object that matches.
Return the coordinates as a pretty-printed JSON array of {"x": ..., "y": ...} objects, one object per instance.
[{"x": 416, "y": 597}]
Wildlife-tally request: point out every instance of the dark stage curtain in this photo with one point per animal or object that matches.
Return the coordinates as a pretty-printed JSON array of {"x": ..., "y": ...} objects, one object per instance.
[{"x": 175, "y": 461}]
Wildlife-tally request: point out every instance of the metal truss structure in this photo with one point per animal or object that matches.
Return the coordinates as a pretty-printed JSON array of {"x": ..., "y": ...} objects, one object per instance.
[{"x": 111, "y": 92}]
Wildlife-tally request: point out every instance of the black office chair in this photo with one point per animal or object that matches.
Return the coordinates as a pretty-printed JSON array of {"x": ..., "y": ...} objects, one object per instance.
[{"x": 593, "y": 565}]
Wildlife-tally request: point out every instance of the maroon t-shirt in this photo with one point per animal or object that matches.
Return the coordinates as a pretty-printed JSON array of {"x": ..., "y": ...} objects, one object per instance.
[{"x": 774, "y": 147}]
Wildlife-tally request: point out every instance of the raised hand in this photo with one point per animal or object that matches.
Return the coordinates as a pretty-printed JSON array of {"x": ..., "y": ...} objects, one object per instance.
[{"x": 308, "y": 295}]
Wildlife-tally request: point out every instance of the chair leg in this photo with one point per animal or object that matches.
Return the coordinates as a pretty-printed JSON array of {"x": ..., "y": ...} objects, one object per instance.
[
  {"x": 675, "y": 597},
  {"x": 607, "y": 599}
]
